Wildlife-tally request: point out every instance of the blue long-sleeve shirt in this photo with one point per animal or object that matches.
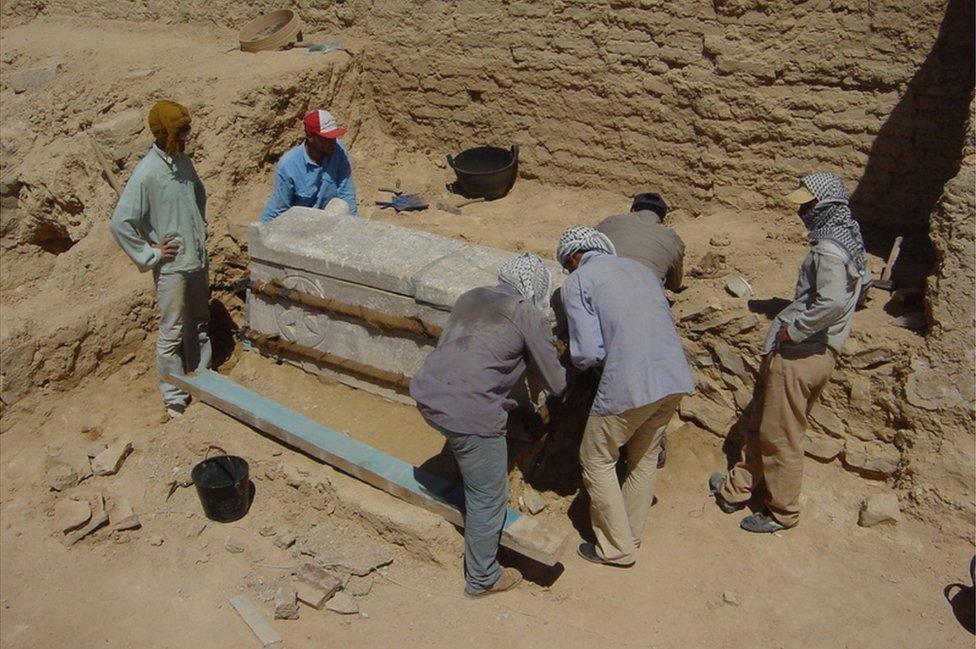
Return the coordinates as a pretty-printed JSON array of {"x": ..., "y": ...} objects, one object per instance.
[
  {"x": 299, "y": 181},
  {"x": 619, "y": 318}
]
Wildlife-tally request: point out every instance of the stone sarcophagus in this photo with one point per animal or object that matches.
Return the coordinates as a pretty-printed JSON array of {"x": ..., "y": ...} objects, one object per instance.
[{"x": 358, "y": 300}]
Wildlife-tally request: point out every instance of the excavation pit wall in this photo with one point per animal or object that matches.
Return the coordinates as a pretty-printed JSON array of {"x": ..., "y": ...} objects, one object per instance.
[{"x": 694, "y": 97}]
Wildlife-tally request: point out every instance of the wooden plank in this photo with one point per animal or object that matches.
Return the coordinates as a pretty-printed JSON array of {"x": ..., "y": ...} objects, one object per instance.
[
  {"x": 394, "y": 476},
  {"x": 253, "y": 618}
]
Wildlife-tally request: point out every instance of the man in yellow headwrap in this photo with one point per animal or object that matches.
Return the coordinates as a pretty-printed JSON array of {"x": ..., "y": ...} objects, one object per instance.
[{"x": 159, "y": 223}]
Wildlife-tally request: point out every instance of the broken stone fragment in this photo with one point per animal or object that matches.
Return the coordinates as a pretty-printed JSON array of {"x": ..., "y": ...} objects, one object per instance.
[
  {"x": 233, "y": 546},
  {"x": 738, "y": 287},
  {"x": 195, "y": 529},
  {"x": 822, "y": 447},
  {"x": 343, "y": 603},
  {"x": 98, "y": 518},
  {"x": 312, "y": 596},
  {"x": 872, "y": 457},
  {"x": 318, "y": 578},
  {"x": 286, "y": 603},
  {"x": 267, "y": 530},
  {"x": 109, "y": 461},
  {"x": 827, "y": 421},
  {"x": 707, "y": 413},
  {"x": 870, "y": 358},
  {"x": 120, "y": 514},
  {"x": 94, "y": 449},
  {"x": 345, "y": 550},
  {"x": 61, "y": 476},
  {"x": 29, "y": 78},
  {"x": 719, "y": 241},
  {"x": 70, "y": 514},
  {"x": 730, "y": 598},
  {"x": 284, "y": 541},
  {"x": 879, "y": 508},
  {"x": 359, "y": 586},
  {"x": 533, "y": 501},
  {"x": 730, "y": 360},
  {"x": 292, "y": 477}
]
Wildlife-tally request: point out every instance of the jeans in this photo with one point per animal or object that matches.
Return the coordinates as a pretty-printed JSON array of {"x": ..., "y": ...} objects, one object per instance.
[
  {"x": 484, "y": 468},
  {"x": 183, "y": 343}
]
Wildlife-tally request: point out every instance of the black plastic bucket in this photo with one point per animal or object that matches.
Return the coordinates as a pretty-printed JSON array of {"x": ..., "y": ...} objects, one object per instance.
[
  {"x": 223, "y": 486},
  {"x": 485, "y": 172}
]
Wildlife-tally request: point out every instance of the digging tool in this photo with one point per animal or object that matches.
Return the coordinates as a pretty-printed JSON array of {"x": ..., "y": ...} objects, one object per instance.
[
  {"x": 405, "y": 202},
  {"x": 456, "y": 209},
  {"x": 103, "y": 163}
]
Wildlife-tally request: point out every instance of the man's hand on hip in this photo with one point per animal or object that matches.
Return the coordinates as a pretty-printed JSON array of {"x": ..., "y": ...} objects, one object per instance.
[{"x": 168, "y": 248}]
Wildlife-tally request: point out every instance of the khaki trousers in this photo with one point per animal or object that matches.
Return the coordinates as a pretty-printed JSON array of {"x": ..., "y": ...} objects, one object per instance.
[
  {"x": 789, "y": 383},
  {"x": 618, "y": 512}
]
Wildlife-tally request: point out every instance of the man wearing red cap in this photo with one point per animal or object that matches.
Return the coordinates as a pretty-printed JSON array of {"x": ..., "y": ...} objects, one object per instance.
[{"x": 314, "y": 172}]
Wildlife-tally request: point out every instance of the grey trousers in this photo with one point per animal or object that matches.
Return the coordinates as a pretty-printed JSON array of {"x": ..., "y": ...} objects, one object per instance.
[
  {"x": 183, "y": 343},
  {"x": 484, "y": 468}
]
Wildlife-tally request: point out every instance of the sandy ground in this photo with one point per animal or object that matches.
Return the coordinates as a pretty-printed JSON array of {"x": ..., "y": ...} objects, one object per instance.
[{"x": 827, "y": 583}]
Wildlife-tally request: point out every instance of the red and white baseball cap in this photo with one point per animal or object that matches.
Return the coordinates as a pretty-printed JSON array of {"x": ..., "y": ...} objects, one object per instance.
[{"x": 322, "y": 123}]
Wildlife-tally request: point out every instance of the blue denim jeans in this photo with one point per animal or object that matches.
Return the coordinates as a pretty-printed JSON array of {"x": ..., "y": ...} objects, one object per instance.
[{"x": 484, "y": 468}]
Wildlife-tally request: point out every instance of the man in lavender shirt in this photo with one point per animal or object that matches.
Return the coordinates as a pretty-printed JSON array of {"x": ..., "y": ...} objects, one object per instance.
[
  {"x": 619, "y": 320},
  {"x": 464, "y": 391}
]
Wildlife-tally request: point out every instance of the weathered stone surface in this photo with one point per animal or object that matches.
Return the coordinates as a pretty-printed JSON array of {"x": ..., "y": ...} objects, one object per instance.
[
  {"x": 317, "y": 577},
  {"x": 822, "y": 447},
  {"x": 70, "y": 514},
  {"x": 342, "y": 603},
  {"x": 61, "y": 476},
  {"x": 121, "y": 516},
  {"x": 879, "y": 508},
  {"x": 194, "y": 529},
  {"x": 344, "y": 549},
  {"x": 928, "y": 389},
  {"x": 233, "y": 546},
  {"x": 827, "y": 421},
  {"x": 870, "y": 358},
  {"x": 110, "y": 460},
  {"x": 120, "y": 129},
  {"x": 730, "y": 360},
  {"x": 709, "y": 390},
  {"x": 23, "y": 80},
  {"x": 285, "y": 541},
  {"x": 359, "y": 586},
  {"x": 400, "y": 260},
  {"x": 872, "y": 457},
  {"x": 692, "y": 312},
  {"x": 707, "y": 413},
  {"x": 533, "y": 500},
  {"x": 314, "y": 597},
  {"x": 738, "y": 287},
  {"x": 286, "y": 603}
]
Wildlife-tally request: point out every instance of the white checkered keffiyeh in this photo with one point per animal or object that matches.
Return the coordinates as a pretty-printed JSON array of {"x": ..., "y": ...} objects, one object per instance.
[
  {"x": 831, "y": 218},
  {"x": 581, "y": 238},
  {"x": 527, "y": 274}
]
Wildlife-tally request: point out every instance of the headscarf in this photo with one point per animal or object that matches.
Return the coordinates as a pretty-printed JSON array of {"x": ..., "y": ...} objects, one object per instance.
[
  {"x": 581, "y": 238},
  {"x": 527, "y": 274},
  {"x": 166, "y": 119},
  {"x": 831, "y": 218}
]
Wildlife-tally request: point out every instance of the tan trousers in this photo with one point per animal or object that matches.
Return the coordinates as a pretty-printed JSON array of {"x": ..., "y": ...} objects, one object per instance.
[
  {"x": 789, "y": 384},
  {"x": 618, "y": 511}
]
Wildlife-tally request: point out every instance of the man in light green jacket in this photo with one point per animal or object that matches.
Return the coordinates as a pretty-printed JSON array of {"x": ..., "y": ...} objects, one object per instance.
[{"x": 159, "y": 223}]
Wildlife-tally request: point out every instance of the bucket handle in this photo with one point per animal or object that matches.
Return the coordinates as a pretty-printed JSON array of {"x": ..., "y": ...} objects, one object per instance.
[
  {"x": 450, "y": 160},
  {"x": 225, "y": 469},
  {"x": 515, "y": 152},
  {"x": 212, "y": 447}
]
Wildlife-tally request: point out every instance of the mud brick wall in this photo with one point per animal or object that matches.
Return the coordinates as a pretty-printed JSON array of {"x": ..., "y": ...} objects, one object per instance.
[{"x": 726, "y": 100}]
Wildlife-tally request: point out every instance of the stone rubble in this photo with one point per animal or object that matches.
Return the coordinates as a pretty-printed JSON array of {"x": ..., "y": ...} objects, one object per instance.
[
  {"x": 879, "y": 508},
  {"x": 109, "y": 461}
]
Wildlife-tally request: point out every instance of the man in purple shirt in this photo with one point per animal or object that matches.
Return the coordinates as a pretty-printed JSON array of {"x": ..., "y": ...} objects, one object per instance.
[
  {"x": 314, "y": 172},
  {"x": 464, "y": 391}
]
